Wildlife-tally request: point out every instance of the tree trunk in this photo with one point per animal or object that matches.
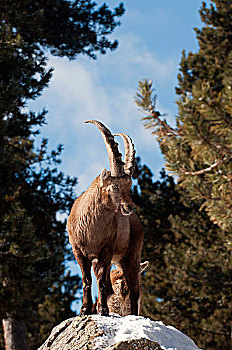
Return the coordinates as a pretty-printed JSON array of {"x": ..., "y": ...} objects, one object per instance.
[{"x": 14, "y": 334}]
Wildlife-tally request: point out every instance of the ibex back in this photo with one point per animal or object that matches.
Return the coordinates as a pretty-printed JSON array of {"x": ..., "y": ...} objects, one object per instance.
[{"x": 103, "y": 227}]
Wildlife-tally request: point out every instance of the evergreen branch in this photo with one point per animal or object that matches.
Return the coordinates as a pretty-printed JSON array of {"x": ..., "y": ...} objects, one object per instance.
[
  {"x": 15, "y": 256},
  {"x": 156, "y": 115},
  {"x": 29, "y": 257},
  {"x": 206, "y": 170},
  {"x": 203, "y": 137},
  {"x": 146, "y": 100},
  {"x": 207, "y": 197},
  {"x": 223, "y": 333},
  {"x": 214, "y": 147}
]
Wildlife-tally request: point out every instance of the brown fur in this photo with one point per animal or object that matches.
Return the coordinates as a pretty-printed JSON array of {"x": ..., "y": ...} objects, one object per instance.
[
  {"x": 102, "y": 227},
  {"x": 119, "y": 302}
]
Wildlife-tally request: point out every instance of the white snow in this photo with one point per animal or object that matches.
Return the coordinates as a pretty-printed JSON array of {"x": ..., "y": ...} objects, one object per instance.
[{"x": 118, "y": 329}]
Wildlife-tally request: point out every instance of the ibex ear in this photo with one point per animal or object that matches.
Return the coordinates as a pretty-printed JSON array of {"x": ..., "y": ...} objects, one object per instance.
[
  {"x": 143, "y": 266},
  {"x": 103, "y": 176}
]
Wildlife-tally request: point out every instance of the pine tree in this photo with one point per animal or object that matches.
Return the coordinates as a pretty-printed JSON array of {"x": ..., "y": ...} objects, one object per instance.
[
  {"x": 196, "y": 291},
  {"x": 188, "y": 281},
  {"x": 54, "y": 308},
  {"x": 35, "y": 289},
  {"x": 154, "y": 202},
  {"x": 198, "y": 149},
  {"x": 66, "y": 28}
]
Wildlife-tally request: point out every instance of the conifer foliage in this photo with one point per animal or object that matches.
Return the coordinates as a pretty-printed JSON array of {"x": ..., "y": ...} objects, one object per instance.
[
  {"x": 198, "y": 149},
  {"x": 188, "y": 281},
  {"x": 193, "y": 289},
  {"x": 35, "y": 290}
]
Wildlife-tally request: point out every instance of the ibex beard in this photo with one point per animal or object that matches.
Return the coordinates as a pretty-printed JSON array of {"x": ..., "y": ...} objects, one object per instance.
[{"x": 103, "y": 228}]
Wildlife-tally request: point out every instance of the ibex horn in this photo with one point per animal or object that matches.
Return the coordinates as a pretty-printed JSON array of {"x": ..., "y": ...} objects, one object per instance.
[
  {"x": 129, "y": 153},
  {"x": 115, "y": 157}
]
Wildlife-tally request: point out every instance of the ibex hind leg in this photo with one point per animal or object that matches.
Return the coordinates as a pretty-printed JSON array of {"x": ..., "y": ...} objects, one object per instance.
[
  {"x": 132, "y": 275},
  {"x": 130, "y": 263},
  {"x": 85, "y": 265}
]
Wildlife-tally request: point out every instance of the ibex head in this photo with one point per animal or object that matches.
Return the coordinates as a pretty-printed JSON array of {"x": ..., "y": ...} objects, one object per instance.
[{"x": 116, "y": 183}]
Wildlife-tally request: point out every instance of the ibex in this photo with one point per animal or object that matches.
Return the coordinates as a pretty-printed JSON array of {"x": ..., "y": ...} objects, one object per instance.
[{"x": 103, "y": 227}]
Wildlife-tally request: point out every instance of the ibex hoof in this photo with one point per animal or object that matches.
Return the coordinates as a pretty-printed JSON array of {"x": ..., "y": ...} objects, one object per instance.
[
  {"x": 103, "y": 311},
  {"x": 85, "y": 311}
]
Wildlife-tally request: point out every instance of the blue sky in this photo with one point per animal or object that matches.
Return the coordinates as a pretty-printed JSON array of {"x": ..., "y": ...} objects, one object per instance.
[{"x": 151, "y": 38}]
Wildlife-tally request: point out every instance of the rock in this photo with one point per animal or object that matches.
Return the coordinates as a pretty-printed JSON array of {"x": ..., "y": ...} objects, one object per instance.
[
  {"x": 138, "y": 344},
  {"x": 76, "y": 333},
  {"x": 116, "y": 333}
]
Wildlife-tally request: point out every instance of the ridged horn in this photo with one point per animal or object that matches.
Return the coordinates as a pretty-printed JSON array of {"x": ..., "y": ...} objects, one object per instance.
[
  {"x": 129, "y": 159},
  {"x": 115, "y": 157}
]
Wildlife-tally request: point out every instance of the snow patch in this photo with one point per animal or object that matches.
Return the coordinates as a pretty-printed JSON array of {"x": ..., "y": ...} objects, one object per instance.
[{"x": 118, "y": 329}]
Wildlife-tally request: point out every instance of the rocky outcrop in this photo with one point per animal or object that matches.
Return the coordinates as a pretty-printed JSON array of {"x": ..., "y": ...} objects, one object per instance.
[
  {"x": 76, "y": 333},
  {"x": 116, "y": 333},
  {"x": 138, "y": 344}
]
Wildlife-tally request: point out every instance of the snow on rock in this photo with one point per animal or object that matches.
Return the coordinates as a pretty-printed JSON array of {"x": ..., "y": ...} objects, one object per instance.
[
  {"x": 115, "y": 333},
  {"x": 116, "y": 329}
]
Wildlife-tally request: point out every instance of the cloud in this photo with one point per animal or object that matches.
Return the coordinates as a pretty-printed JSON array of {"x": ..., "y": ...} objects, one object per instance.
[
  {"x": 102, "y": 90},
  {"x": 78, "y": 86}
]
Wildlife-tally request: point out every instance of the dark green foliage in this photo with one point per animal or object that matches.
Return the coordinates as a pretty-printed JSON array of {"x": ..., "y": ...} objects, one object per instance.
[
  {"x": 33, "y": 194},
  {"x": 195, "y": 286},
  {"x": 33, "y": 241},
  {"x": 67, "y": 28},
  {"x": 215, "y": 45},
  {"x": 53, "y": 309},
  {"x": 188, "y": 281},
  {"x": 198, "y": 150},
  {"x": 155, "y": 201}
]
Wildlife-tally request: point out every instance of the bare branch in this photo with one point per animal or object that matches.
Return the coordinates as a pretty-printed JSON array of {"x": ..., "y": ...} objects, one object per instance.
[{"x": 206, "y": 170}]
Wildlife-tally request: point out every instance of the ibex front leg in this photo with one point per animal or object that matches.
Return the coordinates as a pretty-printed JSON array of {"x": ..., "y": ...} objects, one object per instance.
[
  {"x": 85, "y": 265},
  {"x": 102, "y": 273}
]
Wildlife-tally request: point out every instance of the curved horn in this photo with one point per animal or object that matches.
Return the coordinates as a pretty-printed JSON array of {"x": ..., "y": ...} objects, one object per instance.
[
  {"x": 129, "y": 153},
  {"x": 115, "y": 157}
]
